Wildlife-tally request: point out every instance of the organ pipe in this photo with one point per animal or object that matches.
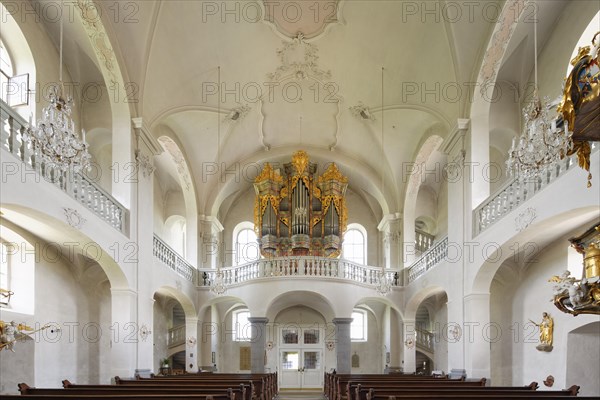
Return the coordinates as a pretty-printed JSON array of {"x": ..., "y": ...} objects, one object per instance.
[{"x": 308, "y": 199}]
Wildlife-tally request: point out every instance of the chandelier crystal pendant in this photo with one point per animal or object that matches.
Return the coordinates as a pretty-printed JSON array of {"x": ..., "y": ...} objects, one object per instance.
[
  {"x": 384, "y": 286},
  {"x": 54, "y": 140},
  {"x": 543, "y": 142},
  {"x": 218, "y": 285}
]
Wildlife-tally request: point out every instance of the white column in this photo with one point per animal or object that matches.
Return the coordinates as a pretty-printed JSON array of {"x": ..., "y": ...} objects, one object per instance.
[
  {"x": 142, "y": 231},
  {"x": 459, "y": 211},
  {"x": 123, "y": 350},
  {"x": 210, "y": 246},
  {"x": 258, "y": 344},
  {"x": 410, "y": 343},
  {"x": 478, "y": 333},
  {"x": 343, "y": 345},
  {"x": 122, "y": 160},
  {"x": 191, "y": 346},
  {"x": 390, "y": 228}
]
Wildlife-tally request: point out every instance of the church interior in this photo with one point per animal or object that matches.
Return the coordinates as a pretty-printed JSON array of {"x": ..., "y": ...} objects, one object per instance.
[{"x": 299, "y": 196}]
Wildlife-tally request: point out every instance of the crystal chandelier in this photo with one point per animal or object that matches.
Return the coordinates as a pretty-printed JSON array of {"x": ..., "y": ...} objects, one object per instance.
[
  {"x": 384, "y": 286},
  {"x": 218, "y": 285},
  {"x": 542, "y": 142},
  {"x": 54, "y": 140}
]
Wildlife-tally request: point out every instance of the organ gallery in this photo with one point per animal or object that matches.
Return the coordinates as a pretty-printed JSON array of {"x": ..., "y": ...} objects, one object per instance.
[{"x": 298, "y": 212}]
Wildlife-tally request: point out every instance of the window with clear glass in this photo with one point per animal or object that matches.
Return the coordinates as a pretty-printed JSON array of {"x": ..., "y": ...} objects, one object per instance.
[
  {"x": 6, "y": 72},
  {"x": 353, "y": 248},
  {"x": 358, "y": 327},
  {"x": 242, "y": 327},
  {"x": 290, "y": 360},
  {"x": 246, "y": 247}
]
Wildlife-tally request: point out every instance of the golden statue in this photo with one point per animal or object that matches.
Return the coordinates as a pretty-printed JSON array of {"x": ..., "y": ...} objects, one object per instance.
[{"x": 546, "y": 332}]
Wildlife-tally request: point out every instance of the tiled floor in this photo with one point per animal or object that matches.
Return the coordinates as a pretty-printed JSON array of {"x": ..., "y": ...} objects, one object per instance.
[{"x": 300, "y": 395}]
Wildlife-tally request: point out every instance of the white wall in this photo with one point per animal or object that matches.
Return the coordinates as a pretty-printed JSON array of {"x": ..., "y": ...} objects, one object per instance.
[
  {"x": 370, "y": 352},
  {"x": 518, "y": 294},
  {"x": 74, "y": 296}
]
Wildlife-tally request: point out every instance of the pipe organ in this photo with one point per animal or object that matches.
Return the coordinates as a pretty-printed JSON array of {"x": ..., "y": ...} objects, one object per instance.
[{"x": 299, "y": 213}]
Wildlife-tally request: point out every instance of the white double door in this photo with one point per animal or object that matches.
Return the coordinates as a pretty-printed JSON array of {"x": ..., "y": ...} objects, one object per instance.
[{"x": 301, "y": 358}]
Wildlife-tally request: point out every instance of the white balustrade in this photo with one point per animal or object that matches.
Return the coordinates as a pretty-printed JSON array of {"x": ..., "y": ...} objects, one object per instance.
[
  {"x": 431, "y": 258},
  {"x": 424, "y": 340},
  {"x": 79, "y": 187},
  {"x": 515, "y": 192},
  {"x": 423, "y": 241},
  {"x": 176, "y": 336},
  {"x": 302, "y": 266},
  {"x": 164, "y": 253}
]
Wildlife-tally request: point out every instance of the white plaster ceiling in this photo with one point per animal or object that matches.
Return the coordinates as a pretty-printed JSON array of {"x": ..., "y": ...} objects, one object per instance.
[{"x": 174, "y": 48}]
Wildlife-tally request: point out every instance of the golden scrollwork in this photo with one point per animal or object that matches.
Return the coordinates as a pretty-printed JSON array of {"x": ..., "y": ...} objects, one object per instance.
[
  {"x": 268, "y": 173},
  {"x": 300, "y": 161},
  {"x": 579, "y": 106},
  {"x": 332, "y": 174}
]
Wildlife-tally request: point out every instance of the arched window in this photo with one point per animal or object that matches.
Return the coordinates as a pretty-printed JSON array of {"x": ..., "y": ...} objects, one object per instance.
[
  {"x": 245, "y": 243},
  {"x": 241, "y": 326},
  {"x": 6, "y": 72},
  {"x": 354, "y": 247},
  {"x": 17, "y": 67},
  {"x": 358, "y": 327}
]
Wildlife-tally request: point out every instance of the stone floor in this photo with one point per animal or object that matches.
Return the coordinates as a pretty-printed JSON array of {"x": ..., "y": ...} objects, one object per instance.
[{"x": 300, "y": 395}]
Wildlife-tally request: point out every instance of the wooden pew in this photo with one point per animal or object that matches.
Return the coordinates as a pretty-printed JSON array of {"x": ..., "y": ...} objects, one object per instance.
[
  {"x": 113, "y": 390},
  {"x": 335, "y": 383},
  {"x": 484, "y": 392},
  {"x": 265, "y": 384},
  {"x": 359, "y": 391}
]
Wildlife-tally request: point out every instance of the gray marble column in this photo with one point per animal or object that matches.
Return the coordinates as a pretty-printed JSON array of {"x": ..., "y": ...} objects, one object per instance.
[
  {"x": 343, "y": 345},
  {"x": 258, "y": 343}
]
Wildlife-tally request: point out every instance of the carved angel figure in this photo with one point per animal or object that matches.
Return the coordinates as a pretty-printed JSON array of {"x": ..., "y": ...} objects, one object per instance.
[
  {"x": 564, "y": 283},
  {"x": 10, "y": 332}
]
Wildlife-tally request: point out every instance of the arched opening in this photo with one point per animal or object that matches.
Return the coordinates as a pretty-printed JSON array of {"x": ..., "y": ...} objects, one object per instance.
[{"x": 17, "y": 67}]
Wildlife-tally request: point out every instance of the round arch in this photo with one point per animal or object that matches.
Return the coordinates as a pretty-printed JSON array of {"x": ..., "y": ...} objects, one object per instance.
[
  {"x": 73, "y": 241},
  {"x": 538, "y": 232},
  {"x": 186, "y": 303}
]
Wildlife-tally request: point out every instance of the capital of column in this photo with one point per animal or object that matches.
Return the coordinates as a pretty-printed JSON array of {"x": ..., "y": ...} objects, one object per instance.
[
  {"x": 342, "y": 321},
  {"x": 209, "y": 226},
  {"x": 453, "y": 145},
  {"x": 151, "y": 145},
  {"x": 390, "y": 223},
  {"x": 258, "y": 320}
]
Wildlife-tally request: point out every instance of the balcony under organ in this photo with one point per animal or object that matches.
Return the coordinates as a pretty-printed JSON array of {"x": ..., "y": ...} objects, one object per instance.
[{"x": 298, "y": 212}]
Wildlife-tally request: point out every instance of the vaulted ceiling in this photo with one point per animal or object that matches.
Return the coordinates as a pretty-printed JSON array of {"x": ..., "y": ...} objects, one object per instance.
[{"x": 299, "y": 93}]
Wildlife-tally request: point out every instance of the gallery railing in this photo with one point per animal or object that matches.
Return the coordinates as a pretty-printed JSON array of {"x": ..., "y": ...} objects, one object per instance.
[
  {"x": 424, "y": 340},
  {"x": 317, "y": 267},
  {"x": 516, "y": 192},
  {"x": 171, "y": 259},
  {"x": 176, "y": 336},
  {"x": 78, "y": 186}
]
